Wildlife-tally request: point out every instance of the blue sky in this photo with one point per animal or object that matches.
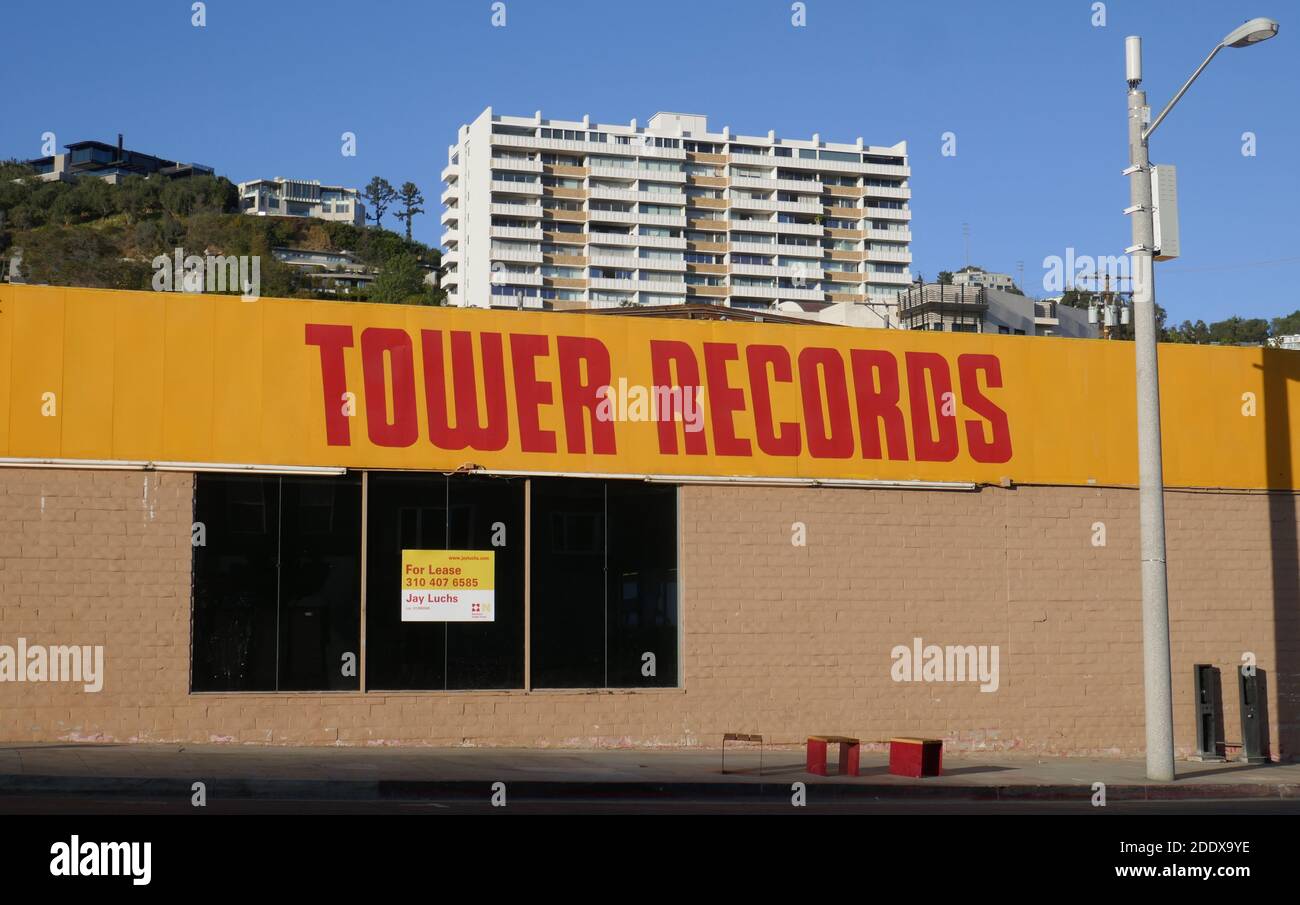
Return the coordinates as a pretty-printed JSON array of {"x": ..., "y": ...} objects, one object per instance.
[{"x": 1032, "y": 90}]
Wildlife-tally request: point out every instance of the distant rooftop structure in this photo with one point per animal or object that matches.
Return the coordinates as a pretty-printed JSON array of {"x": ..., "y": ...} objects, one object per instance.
[
  {"x": 110, "y": 163},
  {"x": 983, "y": 279},
  {"x": 280, "y": 197},
  {"x": 979, "y": 309}
]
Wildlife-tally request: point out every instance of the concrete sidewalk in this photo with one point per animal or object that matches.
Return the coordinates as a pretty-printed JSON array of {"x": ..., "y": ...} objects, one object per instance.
[{"x": 355, "y": 773}]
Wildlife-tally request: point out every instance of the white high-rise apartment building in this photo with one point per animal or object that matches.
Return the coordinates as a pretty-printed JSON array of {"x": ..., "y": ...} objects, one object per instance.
[{"x": 551, "y": 213}]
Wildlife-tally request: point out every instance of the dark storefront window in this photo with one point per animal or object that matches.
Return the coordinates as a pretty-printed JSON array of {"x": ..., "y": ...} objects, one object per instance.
[
  {"x": 437, "y": 512},
  {"x": 604, "y": 595},
  {"x": 276, "y": 583}
]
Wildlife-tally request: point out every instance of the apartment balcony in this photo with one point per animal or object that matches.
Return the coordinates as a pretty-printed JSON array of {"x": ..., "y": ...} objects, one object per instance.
[
  {"x": 450, "y": 192},
  {"x": 827, "y": 166},
  {"x": 547, "y": 144},
  {"x": 595, "y": 215},
  {"x": 843, "y": 281},
  {"x": 801, "y": 271},
  {"x": 622, "y": 173},
  {"x": 517, "y": 210},
  {"x": 756, "y": 226},
  {"x": 810, "y": 186},
  {"x": 885, "y": 169},
  {"x": 451, "y": 258},
  {"x": 662, "y": 219},
  {"x": 772, "y": 270},
  {"x": 637, "y": 285},
  {"x": 630, "y": 173},
  {"x": 598, "y": 238},
  {"x": 661, "y": 286},
  {"x": 634, "y": 149},
  {"x": 518, "y": 166},
  {"x": 756, "y": 160},
  {"x": 531, "y": 233},
  {"x": 502, "y": 277},
  {"x": 516, "y": 188},
  {"x": 800, "y": 229},
  {"x": 778, "y": 292},
  {"x": 889, "y": 235},
  {"x": 879, "y": 191},
  {"x": 755, "y": 248},
  {"x": 676, "y": 242},
  {"x": 645, "y": 263},
  {"x": 450, "y": 215},
  {"x": 754, "y": 182},
  {"x": 888, "y": 213},
  {"x": 449, "y": 237},
  {"x": 715, "y": 223},
  {"x": 1045, "y": 314},
  {"x": 797, "y": 251},
  {"x": 599, "y": 258},
  {"x": 450, "y": 171},
  {"x": 662, "y": 197},
  {"x": 604, "y": 283},
  {"x": 611, "y": 194},
  {"x": 889, "y": 279},
  {"x": 899, "y": 255},
  {"x": 530, "y": 302},
  {"x": 799, "y": 207},
  {"x": 751, "y": 204},
  {"x": 652, "y": 151},
  {"x": 516, "y": 255}
]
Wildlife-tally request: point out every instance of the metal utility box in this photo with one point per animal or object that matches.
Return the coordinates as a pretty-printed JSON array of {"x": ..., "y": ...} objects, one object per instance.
[
  {"x": 1209, "y": 744},
  {"x": 1164, "y": 201},
  {"x": 1252, "y": 722}
]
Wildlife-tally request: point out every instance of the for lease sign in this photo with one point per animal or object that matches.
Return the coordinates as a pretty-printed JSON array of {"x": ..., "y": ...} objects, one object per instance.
[{"x": 448, "y": 585}]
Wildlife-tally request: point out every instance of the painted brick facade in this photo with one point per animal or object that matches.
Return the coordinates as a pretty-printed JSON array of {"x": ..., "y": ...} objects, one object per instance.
[{"x": 778, "y": 639}]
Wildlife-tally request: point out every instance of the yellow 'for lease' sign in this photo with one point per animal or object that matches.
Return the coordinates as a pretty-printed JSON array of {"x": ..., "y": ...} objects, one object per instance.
[{"x": 448, "y": 585}]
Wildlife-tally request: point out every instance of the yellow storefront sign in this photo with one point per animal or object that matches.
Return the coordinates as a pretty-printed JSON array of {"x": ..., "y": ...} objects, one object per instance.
[{"x": 164, "y": 377}]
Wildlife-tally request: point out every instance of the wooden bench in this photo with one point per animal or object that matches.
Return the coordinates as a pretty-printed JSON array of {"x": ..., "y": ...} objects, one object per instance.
[
  {"x": 742, "y": 737},
  {"x": 850, "y": 751}
]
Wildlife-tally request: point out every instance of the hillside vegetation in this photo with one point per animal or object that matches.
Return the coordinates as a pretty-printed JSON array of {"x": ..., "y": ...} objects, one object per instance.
[{"x": 91, "y": 233}]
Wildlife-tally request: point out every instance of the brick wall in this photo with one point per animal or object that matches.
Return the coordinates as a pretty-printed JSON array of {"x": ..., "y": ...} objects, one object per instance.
[{"x": 779, "y": 639}]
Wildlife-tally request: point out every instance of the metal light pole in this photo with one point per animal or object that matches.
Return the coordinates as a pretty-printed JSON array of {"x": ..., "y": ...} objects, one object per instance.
[{"x": 1155, "y": 592}]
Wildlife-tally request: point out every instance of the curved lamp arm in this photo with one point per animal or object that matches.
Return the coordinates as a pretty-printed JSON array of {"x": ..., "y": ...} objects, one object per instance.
[
  {"x": 1245, "y": 35},
  {"x": 1146, "y": 133}
]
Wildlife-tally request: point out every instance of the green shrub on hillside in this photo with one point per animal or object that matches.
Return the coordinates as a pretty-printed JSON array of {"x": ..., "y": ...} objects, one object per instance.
[{"x": 92, "y": 233}]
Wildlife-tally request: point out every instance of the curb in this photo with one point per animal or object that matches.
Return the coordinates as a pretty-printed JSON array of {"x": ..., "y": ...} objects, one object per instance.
[{"x": 412, "y": 790}]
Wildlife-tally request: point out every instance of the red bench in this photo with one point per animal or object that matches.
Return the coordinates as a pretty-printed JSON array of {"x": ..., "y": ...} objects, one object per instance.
[
  {"x": 850, "y": 750},
  {"x": 916, "y": 756}
]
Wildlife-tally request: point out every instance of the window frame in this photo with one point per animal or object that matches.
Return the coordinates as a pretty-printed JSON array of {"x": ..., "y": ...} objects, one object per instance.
[{"x": 678, "y": 684}]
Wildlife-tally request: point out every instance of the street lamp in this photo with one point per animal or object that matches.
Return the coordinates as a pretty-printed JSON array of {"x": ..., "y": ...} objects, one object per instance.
[{"x": 1155, "y": 591}]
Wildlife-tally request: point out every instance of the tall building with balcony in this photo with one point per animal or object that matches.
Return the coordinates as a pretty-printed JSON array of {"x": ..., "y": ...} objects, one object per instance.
[
  {"x": 557, "y": 214},
  {"x": 280, "y": 197}
]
